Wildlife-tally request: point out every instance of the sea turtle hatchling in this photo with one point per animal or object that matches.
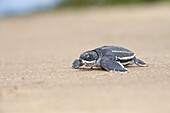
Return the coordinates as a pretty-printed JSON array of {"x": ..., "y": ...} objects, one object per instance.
[{"x": 109, "y": 58}]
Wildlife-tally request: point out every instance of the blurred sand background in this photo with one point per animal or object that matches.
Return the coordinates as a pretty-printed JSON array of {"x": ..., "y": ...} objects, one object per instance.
[{"x": 36, "y": 53}]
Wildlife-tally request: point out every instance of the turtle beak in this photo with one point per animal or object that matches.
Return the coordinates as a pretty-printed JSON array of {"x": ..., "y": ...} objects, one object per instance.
[{"x": 77, "y": 63}]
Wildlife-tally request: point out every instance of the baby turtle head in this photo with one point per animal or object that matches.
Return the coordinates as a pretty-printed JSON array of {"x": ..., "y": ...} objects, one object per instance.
[{"x": 88, "y": 58}]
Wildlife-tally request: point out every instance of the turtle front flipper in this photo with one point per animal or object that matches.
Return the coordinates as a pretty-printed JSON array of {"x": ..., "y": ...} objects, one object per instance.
[
  {"x": 139, "y": 62},
  {"x": 110, "y": 65},
  {"x": 76, "y": 64}
]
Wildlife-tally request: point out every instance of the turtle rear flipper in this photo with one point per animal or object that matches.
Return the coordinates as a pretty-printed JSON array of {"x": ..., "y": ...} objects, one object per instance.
[
  {"x": 139, "y": 62},
  {"x": 111, "y": 65},
  {"x": 76, "y": 64}
]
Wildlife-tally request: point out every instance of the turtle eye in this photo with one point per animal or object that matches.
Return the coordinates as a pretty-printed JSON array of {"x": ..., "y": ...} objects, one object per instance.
[
  {"x": 88, "y": 56},
  {"x": 85, "y": 56}
]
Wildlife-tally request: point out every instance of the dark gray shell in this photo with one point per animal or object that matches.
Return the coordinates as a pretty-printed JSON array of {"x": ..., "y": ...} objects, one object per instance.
[{"x": 119, "y": 52}]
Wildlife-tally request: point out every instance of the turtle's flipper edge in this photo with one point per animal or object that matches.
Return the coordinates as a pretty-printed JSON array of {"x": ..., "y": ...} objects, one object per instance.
[
  {"x": 111, "y": 66},
  {"x": 76, "y": 64},
  {"x": 140, "y": 62}
]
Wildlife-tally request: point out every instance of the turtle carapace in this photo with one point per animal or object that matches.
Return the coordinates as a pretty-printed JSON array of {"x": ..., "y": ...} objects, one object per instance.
[{"x": 109, "y": 58}]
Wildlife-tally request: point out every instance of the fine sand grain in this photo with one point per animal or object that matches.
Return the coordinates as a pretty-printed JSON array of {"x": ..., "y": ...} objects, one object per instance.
[{"x": 36, "y": 53}]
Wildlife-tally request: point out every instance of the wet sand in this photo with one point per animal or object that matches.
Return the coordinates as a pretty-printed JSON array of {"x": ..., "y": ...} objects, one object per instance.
[{"x": 36, "y": 53}]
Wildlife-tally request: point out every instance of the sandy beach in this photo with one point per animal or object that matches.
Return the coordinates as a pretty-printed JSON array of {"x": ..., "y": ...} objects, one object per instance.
[{"x": 37, "y": 51}]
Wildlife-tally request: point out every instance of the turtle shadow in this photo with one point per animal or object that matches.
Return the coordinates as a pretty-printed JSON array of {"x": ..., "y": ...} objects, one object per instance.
[
  {"x": 101, "y": 69},
  {"x": 91, "y": 69},
  {"x": 130, "y": 66},
  {"x": 83, "y": 69},
  {"x": 134, "y": 66}
]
